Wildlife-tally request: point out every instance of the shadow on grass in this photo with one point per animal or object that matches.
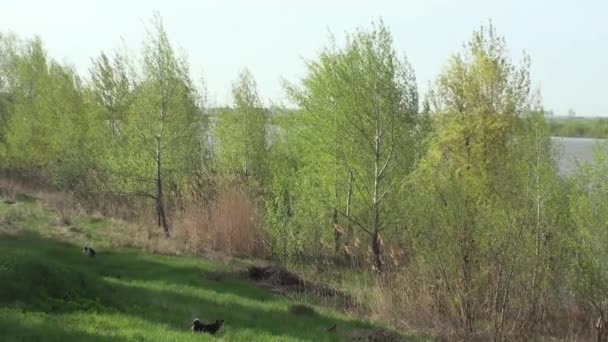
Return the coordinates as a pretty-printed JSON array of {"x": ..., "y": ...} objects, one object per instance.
[
  {"x": 15, "y": 329},
  {"x": 133, "y": 265},
  {"x": 168, "y": 291},
  {"x": 264, "y": 320}
]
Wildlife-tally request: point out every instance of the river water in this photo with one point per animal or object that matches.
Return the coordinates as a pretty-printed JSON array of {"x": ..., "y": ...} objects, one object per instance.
[{"x": 573, "y": 150}]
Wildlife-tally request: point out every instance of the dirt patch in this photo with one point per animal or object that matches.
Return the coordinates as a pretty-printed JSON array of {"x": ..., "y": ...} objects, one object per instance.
[
  {"x": 274, "y": 275},
  {"x": 24, "y": 197},
  {"x": 8, "y": 230},
  {"x": 301, "y": 310},
  {"x": 214, "y": 276},
  {"x": 381, "y": 335},
  {"x": 74, "y": 229},
  {"x": 281, "y": 281}
]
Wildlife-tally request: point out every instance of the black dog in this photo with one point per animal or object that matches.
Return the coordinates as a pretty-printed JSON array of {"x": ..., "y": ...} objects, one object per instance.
[
  {"x": 212, "y": 328},
  {"x": 90, "y": 252}
]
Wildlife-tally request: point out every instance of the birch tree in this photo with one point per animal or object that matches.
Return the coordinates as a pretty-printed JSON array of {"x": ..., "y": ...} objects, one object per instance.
[
  {"x": 165, "y": 129},
  {"x": 360, "y": 106}
]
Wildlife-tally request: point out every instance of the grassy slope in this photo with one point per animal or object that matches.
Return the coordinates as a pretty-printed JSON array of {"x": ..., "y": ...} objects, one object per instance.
[{"x": 50, "y": 292}]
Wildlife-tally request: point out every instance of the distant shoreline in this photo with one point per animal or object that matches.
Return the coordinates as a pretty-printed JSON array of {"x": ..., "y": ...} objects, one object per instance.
[
  {"x": 578, "y": 138},
  {"x": 578, "y": 127}
]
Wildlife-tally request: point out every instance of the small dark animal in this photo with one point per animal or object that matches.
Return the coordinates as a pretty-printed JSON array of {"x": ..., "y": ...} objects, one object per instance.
[
  {"x": 212, "y": 328},
  {"x": 88, "y": 251},
  {"x": 331, "y": 329}
]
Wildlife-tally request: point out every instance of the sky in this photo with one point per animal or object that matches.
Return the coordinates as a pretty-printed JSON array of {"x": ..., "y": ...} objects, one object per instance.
[{"x": 567, "y": 40}]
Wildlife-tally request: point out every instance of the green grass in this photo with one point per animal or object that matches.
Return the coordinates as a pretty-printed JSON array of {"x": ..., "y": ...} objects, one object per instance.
[{"x": 49, "y": 291}]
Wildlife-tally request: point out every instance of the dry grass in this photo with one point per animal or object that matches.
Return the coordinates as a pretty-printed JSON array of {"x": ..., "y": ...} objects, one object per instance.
[
  {"x": 118, "y": 207},
  {"x": 409, "y": 301},
  {"x": 27, "y": 189},
  {"x": 65, "y": 206},
  {"x": 230, "y": 225},
  {"x": 11, "y": 186},
  {"x": 412, "y": 299}
]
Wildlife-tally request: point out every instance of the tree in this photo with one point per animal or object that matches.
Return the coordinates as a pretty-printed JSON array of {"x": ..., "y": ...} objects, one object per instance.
[
  {"x": 48, "y": 129},
  {"x": 486, "y": 199},
  {"x": 360, "y": 107},
  {"x": 32, "y": 141},
  {"x": 112, "y": 89},
  {"x": 589, "y": 209},
  {"x": 241, "y": 133},
  {"x": 284, "y": 159},
  {"x": 165, "y": 129},
  {"x": 7, "y": 80},
  {"x": 109, "y": 97}
]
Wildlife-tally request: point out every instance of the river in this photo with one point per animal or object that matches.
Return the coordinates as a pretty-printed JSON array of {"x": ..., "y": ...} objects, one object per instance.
[{"x": 573, "y": 150}]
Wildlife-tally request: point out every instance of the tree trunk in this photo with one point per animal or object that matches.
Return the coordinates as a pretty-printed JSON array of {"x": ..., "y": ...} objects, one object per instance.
[
  {"x": 377, "y": 256},
  {"x": 377, "y": 260},
  {"x": 160, "y": 205},
  {"x": 246, "y": 169},
  {"x": 538, "y": 272},
  {"x": 349, "y": 200},
  {"x": 467, "y": 305},
  {"x": 601, "y": 328},
  {"x": 337, "y": 232}
]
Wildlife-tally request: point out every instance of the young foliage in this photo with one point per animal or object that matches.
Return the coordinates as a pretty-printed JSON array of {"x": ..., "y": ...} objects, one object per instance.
[
  {"x": 49, "y": 129},
  {"x": 589, "y": 212},
  {"x": 487, "y": 198},
  {"x": 163, "y": 148},
  {"x": 241, "y": 134},
  {"x": 359, "y": 109}
]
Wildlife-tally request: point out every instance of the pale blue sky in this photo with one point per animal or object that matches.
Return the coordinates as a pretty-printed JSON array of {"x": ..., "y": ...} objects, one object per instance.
[{"x": 567, "y": 40}]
